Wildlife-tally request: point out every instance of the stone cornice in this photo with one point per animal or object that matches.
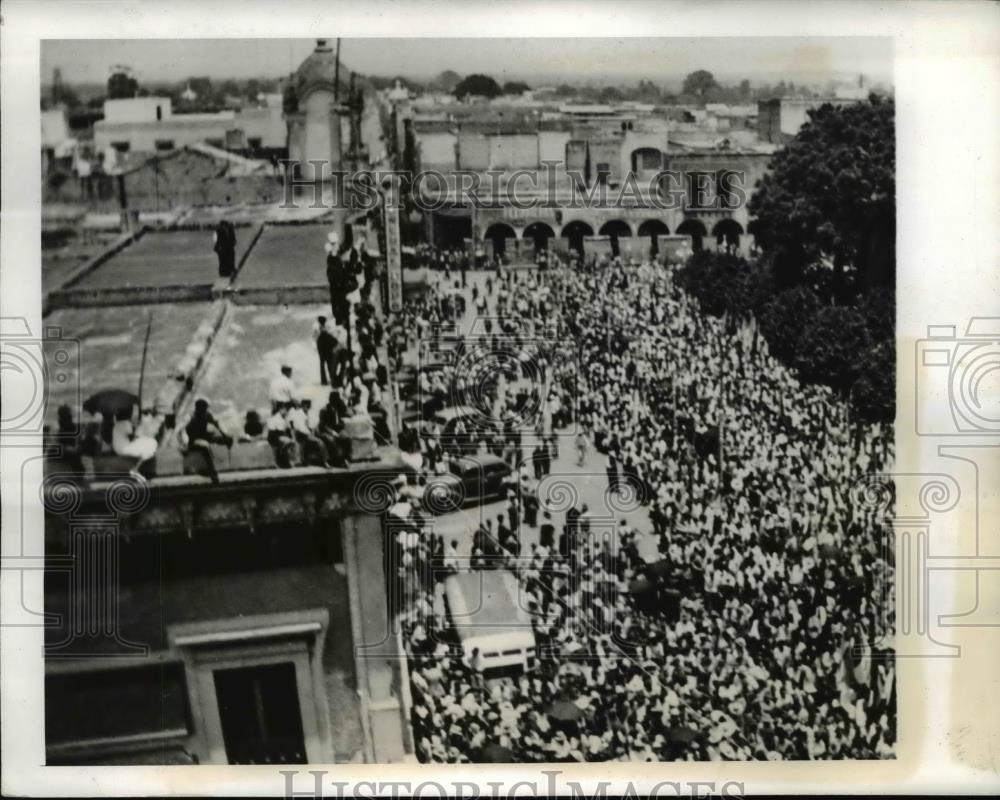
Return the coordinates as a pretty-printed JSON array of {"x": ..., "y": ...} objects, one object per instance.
[{"x": 189, "y": 504}]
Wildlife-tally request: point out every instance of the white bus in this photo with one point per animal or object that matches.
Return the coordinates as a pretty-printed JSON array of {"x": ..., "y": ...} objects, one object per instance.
[{"x": 487, "y": 614}]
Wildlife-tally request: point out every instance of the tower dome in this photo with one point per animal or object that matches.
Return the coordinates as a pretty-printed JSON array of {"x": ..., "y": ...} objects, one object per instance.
[{"x": 318, "y": 71}]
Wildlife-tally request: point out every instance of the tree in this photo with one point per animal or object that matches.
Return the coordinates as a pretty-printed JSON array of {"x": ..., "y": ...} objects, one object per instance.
[
  {"x": 784, "y": 318},
  {"x": 515, "y": 87},
  {"x": 122, "y": 85},
  {"x": 873, "y": 396},
  {"x": 201, "y": 86},
  {"x": 699, "y": 82},
  {"x": 447, "y": 80},
  {"x": 611, "y": 94},
  {"x": 831, "y": 347},
  {"x": 476, "y": 84},
  {"x": 724, "y": 283},
  {"x": 878, "y": 307},
  {"x": 648, "y": 91},
  {"x": 830, "y": 194}
]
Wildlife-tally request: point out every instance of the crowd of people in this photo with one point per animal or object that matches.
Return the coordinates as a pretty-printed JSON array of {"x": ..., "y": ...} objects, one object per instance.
[{"x": 779, "y": 647}]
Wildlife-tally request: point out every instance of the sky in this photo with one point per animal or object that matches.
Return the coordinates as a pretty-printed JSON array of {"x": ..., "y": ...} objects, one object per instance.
[{"x": 661, "y": 59}]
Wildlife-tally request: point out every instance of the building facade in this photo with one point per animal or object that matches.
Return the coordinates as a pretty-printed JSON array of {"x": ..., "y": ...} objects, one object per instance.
[
  {"x": 241, "y": 623},
  {"x": 584, "y": 175},
  {"x": 149, "y": 124}
]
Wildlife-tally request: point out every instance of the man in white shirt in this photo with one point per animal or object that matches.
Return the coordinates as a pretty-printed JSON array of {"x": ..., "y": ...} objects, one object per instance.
[{"x": 282, "y": 391}]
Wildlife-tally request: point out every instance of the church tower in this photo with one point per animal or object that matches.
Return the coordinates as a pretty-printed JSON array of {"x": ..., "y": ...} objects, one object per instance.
[{"x": 313, "y": 114}]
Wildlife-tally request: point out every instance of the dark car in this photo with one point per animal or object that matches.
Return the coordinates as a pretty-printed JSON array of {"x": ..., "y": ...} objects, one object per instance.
[
  {"x": 473, "y": 479},
  {"x": 462, "y": 428}
]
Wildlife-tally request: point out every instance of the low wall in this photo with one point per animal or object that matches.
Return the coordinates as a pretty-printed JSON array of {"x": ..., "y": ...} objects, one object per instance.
[
  {"x": 130, "y": 296},
  {"x": 279, "y": 295}
]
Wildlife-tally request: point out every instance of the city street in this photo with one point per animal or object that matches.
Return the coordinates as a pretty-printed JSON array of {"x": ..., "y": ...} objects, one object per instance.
[{"x": 568, "y": 483}]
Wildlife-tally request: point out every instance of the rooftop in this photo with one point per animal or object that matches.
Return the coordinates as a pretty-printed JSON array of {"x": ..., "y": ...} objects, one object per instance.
[
  {"x": 226, "y": 348},
  {"x": 161, "y": 259}
]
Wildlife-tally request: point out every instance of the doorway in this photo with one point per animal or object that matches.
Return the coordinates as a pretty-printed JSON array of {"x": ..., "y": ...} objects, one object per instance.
[{"x": 260, "y": 714}]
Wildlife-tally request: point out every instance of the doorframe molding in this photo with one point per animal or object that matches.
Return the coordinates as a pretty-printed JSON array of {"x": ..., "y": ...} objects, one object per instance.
[{"x": 258, "y": 640}]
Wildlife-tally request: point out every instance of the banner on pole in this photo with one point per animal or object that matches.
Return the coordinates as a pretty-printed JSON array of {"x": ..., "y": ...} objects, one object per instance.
[{"x": 393, "y": 257}]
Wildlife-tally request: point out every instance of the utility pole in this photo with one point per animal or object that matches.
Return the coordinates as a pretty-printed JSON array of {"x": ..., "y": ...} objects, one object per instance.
[{"x": 336, "y": 73}]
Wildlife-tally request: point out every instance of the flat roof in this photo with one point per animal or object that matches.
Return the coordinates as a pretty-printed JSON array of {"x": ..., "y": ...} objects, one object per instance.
[
  {"x": 109, "y": 341},
  {"x": 286, "y": 255},
  {"x": 248, "y": 351},
  {"x": 486, "y": 603},
  {"x": 163, "y": 258}
]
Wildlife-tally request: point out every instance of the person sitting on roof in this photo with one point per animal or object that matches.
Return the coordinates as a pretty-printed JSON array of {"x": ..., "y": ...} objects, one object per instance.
[
  {"x": 126, "y": 442},
  {"x": 201, "y": 432},
  {"x": 314, "y": 452},
  {"x": 253, "y": 427},
  {"x": 279, "y": 435}
]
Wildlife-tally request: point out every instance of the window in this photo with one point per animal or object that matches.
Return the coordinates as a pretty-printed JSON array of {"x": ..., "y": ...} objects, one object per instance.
[
  {"x": 121, "y": 147},
  {"x": 164, "y": 144},
  {"x": 102, "y": 714},
  {"x": 254, "y": 142}
]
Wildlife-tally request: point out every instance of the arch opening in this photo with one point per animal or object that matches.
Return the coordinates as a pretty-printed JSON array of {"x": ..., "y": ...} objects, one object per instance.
[
  {"x": 694, "y": 229},
  {"x": 727, "y": 234},
  {"x": 615, "y": 229},
  {"x": 653, "y": 228},
  {"x": 575, "y": 231},
  {"x": 540, "y": 233},
  {"x": 498, "y": 233}
]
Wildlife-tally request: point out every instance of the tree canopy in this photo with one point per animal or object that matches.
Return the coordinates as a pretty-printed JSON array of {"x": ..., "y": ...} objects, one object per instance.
[
  {"x": 476, "y": 84},
  {"x": 699, "y": 82},
  {"x": 515, "y": 87},
  {"x": 122, "y": 85},
  {"x": 447, "y": 80},
  {"x": 830, "y": 195},
  {"x": 832, "y": 344}
]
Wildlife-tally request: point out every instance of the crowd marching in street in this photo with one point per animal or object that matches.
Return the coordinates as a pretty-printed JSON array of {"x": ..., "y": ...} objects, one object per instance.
[{"x": 779, "y": 647}]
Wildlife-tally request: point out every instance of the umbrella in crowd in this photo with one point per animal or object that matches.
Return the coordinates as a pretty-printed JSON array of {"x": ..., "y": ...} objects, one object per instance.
[
  {"x": 681, "y": 735},
  {"x": 565, "y": 711},
  {"x": 109, "y": 402}
]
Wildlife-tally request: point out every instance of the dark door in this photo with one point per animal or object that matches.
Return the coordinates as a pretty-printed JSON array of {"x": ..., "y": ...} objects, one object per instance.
[{"x": 259, "y": 709}]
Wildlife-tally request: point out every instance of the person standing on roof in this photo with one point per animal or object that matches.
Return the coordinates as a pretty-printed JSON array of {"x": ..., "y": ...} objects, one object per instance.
[{"x": 225, "y": 248}]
